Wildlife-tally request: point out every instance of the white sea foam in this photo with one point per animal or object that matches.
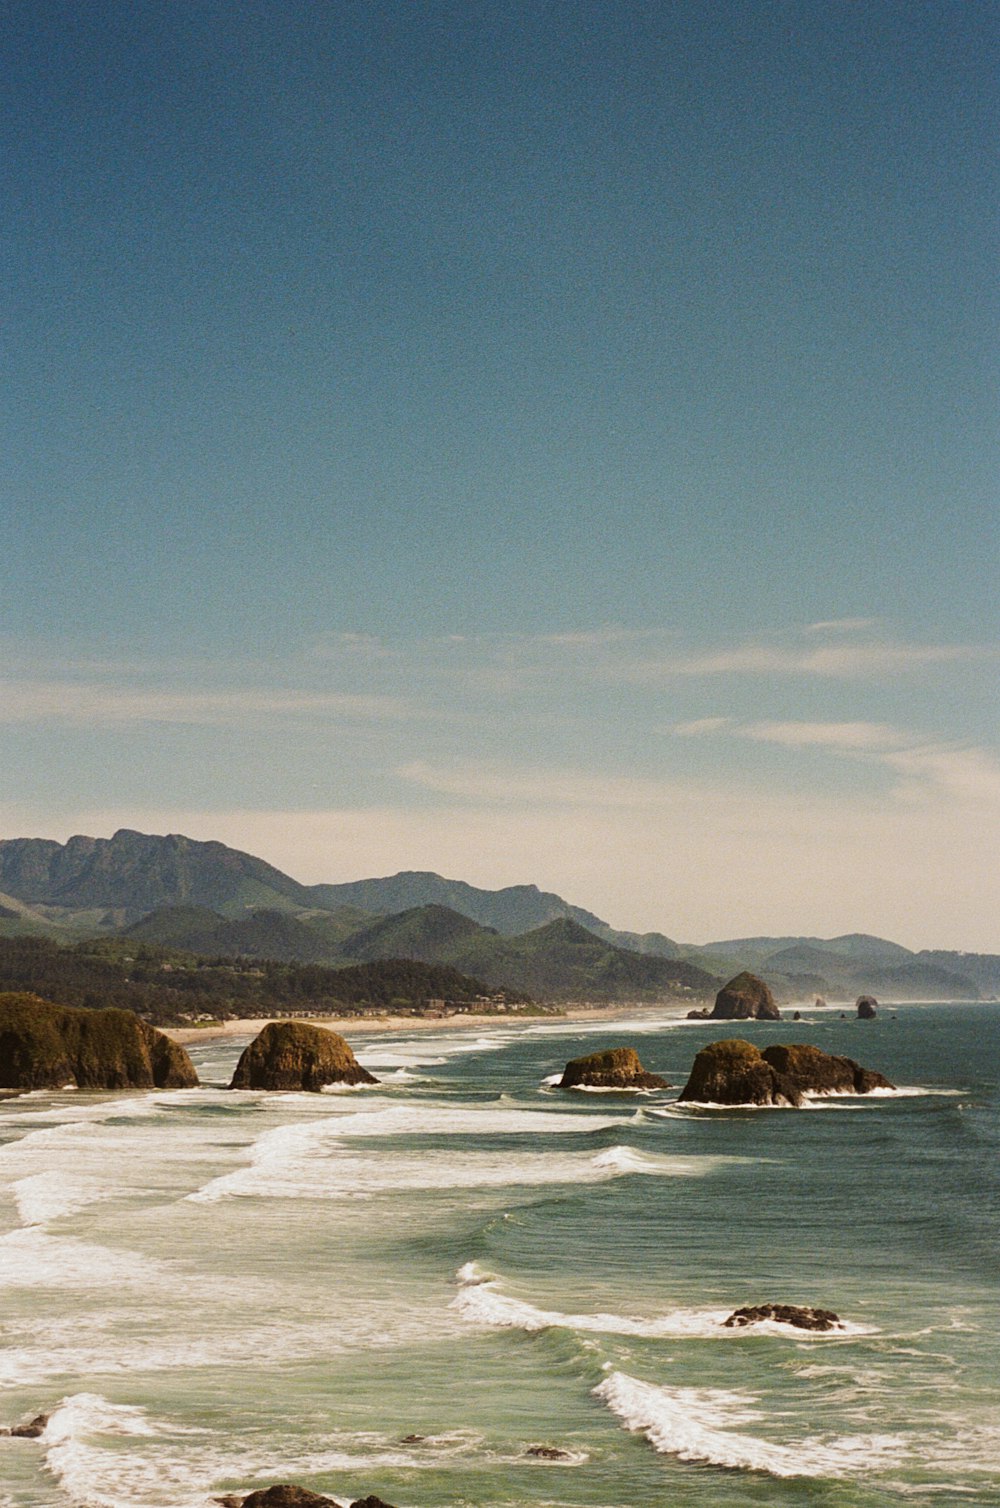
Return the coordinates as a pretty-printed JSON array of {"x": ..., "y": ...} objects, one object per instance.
[
  {"x": 47, "y": 1196},
  {"x": 30, "y": 1258},
  {"x": 480, "y": 1301},
  {"x": 699, "y": 1424}
]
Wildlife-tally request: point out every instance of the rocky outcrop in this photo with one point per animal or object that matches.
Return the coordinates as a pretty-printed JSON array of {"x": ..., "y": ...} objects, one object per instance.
[
  {"x": 618, "y": 1068},
  {"x": 548, "y": 1453},
  {"x": 292, "y": 1055},
  {"x": 817, "y": 1072},
  {"x": 46, "y": 1046},
  {"x": 734, "y": 1072},
  {"x": 700, "y": 1013},
  {"x": 799, "y": 1315},
  {"x": 282, "y": 1496},
  {"x": 745, "y": 998},
  {"x": 866, "y": 1005},
  {"x": 29, "y": 1431}
]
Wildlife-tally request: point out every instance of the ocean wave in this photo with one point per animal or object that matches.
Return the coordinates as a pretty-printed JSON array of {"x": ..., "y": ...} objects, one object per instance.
[
  {"x": 480, "y": 1301},
  {"x": 699, "y": 1424},
  {"x": 30, "y": 1258},
  {"x": 47, "y": 1196}
]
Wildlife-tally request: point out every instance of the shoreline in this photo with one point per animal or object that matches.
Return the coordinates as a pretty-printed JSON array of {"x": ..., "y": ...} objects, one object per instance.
[{"x": 387, "y": 1022}]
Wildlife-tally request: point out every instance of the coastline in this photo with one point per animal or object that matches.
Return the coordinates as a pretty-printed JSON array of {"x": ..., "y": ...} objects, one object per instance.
[{"x": 378, "y": 1023}]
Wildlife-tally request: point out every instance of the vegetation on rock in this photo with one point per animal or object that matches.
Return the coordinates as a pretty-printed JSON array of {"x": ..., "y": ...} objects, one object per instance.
[
  {"x": 46, "y": 1046},
  {"x": 745, "y": 998},
  {"x": 734, "y": 1072},
  {"x": 293, "y": 1055},
  {"x": 616, "y": 1068}
]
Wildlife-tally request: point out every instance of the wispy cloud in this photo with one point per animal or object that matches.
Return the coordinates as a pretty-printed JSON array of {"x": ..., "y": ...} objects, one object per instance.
[
  {"x": 95, "y": 704},
  {"x": 860, "y": 736}
]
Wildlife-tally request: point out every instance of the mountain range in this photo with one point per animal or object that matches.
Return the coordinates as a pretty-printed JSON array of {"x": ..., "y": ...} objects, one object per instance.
[{"x": 208, "y": 899}]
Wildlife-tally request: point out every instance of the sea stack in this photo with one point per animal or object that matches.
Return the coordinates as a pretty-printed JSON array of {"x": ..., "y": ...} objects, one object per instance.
[
  {"x": 867, "y": 1007},
  {"x": 734, "y": 1072},
  {"x": 617, "y": 1068},
  {"x": 46, "y": 1046},
  {"x": 745, "y": 998},
  {"x": 291, "y": 1055}
]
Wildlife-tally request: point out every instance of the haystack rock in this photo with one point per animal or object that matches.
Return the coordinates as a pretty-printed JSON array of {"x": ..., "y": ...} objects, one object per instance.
[
  {"x": 293, "y": 1055},
  {"x": 734, "y": 1072},
  {"x": 799, "y": 1315},
  {"x": 46, "y": 1046},
  {"x": 745, "y": 998},
  {"x": 618, "y": 1068},
  {"x": 867, "y": 1007}
]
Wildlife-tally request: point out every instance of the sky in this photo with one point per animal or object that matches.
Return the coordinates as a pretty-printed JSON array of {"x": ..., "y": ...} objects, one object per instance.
[{"x": 539, "y": 443}]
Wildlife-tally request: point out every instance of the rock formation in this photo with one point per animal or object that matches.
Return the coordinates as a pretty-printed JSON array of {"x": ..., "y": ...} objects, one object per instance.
[
  {"x": 799, "y": 1315},
  {"x": 867, "y": 1007},
  {"x": 30, "y": 1431},
  {"x": 734, "y": 1072},
  {"x": 282, "y": 1496},
  {"x": 745, "y": 998},
  {"x": 296, "y": 1055},
  {"x": 618, "y": 1068},
  {"x": 46, "y": 1046}
]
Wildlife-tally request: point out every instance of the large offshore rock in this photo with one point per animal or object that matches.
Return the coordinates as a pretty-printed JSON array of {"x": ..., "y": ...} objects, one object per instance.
[
  {"x": 745, "y": 998},
  {"x": 46, "y": 1046},
  {"x": 867, "y": 1007},
  {"x": 617, "y": 1068},
  {"x": 734, "y": 1072},
  {"x": 296, "y": 1055}
]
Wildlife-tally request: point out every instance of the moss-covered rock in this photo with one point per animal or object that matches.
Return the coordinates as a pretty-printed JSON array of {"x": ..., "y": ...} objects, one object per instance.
[
  {"x": 745, "y": 998},
  {"x": 45, "y": 1046},
  {"x": 617, "y": 1068},
  {"x": 296, "y": 1055},
  {"x": 734, "y": 1072}
]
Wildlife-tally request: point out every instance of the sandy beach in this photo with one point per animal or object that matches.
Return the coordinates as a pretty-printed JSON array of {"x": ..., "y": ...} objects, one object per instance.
[{"x": 356, "y": 1025}]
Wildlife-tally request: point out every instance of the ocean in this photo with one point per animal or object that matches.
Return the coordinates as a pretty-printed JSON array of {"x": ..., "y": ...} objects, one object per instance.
[{"x": 407, "y": 1289}]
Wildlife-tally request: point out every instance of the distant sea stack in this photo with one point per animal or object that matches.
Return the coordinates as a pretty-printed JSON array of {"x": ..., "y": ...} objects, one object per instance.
[
  {"x": 46, "y": 1046},
  {"x": 618, "y": 1068},
  {"x": 734, "y": 1072},
  {"x": 867, "y": 1007},
  {"x": 293, "y": 1055},
  {"x": 745, "y": 998}
]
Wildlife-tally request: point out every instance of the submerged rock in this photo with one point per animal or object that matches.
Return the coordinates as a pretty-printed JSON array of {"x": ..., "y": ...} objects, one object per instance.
[
  {"x": 296, "y": 1055},
  {"x": 866, "y": 1005},
  {"x": 29, "y": 1431},
  {"x": 745, "y": 998},
  {"x": 370, "y": 1502},
  {"x": 734, "y": 1072},
  {"x": 617, "y": 1068},
  {"x": 799, "y": 1315},
  {"x": 548, "y": 1453},
  {"x": 46, "y": 1046}
]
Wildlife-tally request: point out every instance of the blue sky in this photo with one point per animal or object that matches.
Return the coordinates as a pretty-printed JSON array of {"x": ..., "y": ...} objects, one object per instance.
[{"x": 527, "y": 441}]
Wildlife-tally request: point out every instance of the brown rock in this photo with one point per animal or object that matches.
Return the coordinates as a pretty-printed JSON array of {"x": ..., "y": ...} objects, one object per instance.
[
  {"x": 618, "y": 1068},
  {"x": 292, "y": 1055},
  {"x": 745, "y": 998},
  {"x": 287, "y": 1496},
  {"x": 866, "y": 1005},
  {"x": 733, "y": 1072},
  {"x": 370, "y": 1502},
  {"x": 46, "y": 1046},
  {"x": 802, "y": 1317},
  {"x": 548, "y": 1453},
  {"x": 819, "y": 1072}
]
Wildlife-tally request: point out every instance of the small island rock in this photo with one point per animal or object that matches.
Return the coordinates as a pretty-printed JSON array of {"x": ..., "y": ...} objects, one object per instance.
[
  {"x": 617, "y": 1068},
  {"x": 46, "y": 1046},
  {"x": 291, "y": 1055},
  {"x": 548, "y": 1453},
  {"x": 866, "y": 1005},
  {"x": 734, "y": 1072},
  {"x": 799, "y": 1315},
  {"x": 745, "y": 998}
]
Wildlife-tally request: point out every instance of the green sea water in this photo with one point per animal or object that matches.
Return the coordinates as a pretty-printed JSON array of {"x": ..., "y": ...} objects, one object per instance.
[{"x": 407, "y": 1288}]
